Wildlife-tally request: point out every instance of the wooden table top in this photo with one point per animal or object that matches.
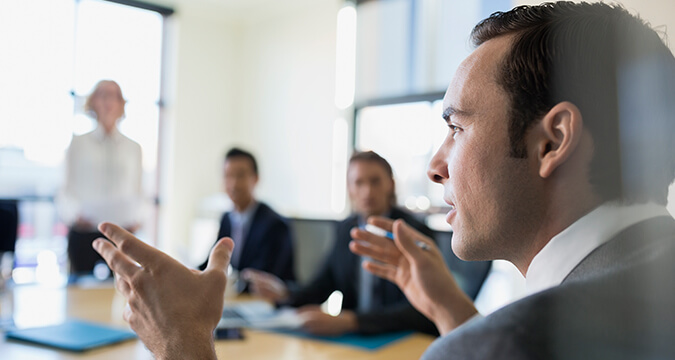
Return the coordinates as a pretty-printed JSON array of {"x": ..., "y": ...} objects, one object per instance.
[{"x": 37, "y": 306}]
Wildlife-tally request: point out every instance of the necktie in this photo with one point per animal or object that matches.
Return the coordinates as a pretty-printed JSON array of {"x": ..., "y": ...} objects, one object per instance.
[
  {"x": 370, "y": 290},
  {"x": 237, "y": 237}
]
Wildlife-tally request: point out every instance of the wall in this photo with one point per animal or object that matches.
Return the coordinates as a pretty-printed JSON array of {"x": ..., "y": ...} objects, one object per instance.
[
  {"x": 260, "y": 80},
  {"x": 199, "y": 106},
  {"x": 286, "y": 108}
]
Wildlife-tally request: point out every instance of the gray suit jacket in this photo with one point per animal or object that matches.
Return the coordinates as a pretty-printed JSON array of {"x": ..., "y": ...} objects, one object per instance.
[{"x": 618, "y": 303}]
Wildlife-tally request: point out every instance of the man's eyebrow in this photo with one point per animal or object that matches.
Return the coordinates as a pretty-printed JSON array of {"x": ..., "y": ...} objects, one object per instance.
[{"x": 451, "y": 110}]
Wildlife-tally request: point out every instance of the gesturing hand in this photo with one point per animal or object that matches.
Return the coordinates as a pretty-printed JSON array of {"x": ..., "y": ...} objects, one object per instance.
[
  {"x": 265, "y": 285},
  {"x": 315, "y": 321},
  {"x": 172, "y": 309},
  {"x": 414, "y": 263}
]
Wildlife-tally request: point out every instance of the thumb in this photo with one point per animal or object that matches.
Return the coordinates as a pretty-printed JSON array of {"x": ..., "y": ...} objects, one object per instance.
[{"x": 220, "y": 255}]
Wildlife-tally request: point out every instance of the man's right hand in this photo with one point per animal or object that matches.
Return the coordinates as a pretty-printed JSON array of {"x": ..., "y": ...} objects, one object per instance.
[
  {"x": 265, "y": 285},
  {"x": 414, "y": 263},
  {"x": 172, "y": 309}
]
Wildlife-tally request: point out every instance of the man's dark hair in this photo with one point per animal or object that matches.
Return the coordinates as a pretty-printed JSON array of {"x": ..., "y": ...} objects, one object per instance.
[
  {"x": 374, "y": 157},
  {"x": 615, "y": 68},
  {"x": 239, "y": 153}
]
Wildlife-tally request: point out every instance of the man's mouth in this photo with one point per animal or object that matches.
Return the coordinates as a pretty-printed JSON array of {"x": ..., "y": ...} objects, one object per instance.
[{"x": 451, "y": 212}]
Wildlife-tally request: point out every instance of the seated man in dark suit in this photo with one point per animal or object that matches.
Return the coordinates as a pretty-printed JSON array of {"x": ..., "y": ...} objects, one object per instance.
[
  {"x": 370, "y": 305},
  {"x": 262, "y": 237}
]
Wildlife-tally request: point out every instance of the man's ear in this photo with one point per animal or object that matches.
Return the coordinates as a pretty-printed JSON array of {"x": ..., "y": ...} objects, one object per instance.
[{"x": 560, "y": 132}]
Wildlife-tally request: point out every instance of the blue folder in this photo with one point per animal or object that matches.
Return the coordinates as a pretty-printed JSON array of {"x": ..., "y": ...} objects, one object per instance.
[{"x": 73, "y": 335}]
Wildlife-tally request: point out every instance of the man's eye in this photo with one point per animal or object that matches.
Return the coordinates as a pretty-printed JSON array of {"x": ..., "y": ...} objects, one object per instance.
[{"x": 454, "y": 129}]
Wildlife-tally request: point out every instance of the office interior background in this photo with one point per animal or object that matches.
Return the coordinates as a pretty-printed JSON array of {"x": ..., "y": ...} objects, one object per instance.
[{"x": 300, "y": 83}]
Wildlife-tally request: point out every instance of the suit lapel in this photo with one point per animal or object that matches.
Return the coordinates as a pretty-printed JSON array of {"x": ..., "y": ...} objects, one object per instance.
[
  {"x": 638, "y": 243},
  {"x": 253, "y": 238},
  {"x": 225, "y": 226}
]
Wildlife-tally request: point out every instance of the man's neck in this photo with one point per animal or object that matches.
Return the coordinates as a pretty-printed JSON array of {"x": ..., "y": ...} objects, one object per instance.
[
  {"x": 554, "y": 221},
  {"x": 243, "y": 206},
  {"x": 383, "y": 213}
]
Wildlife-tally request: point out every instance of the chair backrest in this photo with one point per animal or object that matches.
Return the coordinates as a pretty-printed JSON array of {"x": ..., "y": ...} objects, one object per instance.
[
  {"x": 9, "y": 224},
  {"x": 313, "y": 239}
]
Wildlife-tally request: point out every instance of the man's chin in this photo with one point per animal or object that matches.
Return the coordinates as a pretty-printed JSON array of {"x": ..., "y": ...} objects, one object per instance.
[
  {"x": 463, "y": 248},
  {"x": 367, "y": 211}
]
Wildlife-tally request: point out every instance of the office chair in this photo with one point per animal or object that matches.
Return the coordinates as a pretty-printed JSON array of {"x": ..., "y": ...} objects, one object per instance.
[{"x": 9, "y": 225}]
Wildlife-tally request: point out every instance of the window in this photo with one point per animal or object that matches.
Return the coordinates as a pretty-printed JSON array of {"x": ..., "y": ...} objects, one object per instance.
[
  {"x": 407, "y": 53},
  {"x": 407, "y": 135},
  {"x": 55, "y": 51}
]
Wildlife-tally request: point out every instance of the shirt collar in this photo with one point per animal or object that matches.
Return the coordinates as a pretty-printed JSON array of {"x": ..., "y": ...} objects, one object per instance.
[
  {"x": 247, "y": 214},
  {"x": 100, "y": 134},
  {"x": 362, "y": 220},
  {"x": 567, "y": 249}
]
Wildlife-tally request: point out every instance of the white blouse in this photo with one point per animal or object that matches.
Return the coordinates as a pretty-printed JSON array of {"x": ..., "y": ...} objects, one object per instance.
[{"x": 103, "y": 179}]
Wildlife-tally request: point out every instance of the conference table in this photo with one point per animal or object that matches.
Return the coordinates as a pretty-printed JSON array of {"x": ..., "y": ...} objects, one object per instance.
[{"x": 40, "y": 305}]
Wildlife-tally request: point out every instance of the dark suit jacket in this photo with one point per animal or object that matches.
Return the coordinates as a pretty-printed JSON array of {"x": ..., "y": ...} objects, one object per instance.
[
  {"x": 268, "y": 246},
  {"x": 340, "y": 272},
  {"x": 618, "y": 303}
]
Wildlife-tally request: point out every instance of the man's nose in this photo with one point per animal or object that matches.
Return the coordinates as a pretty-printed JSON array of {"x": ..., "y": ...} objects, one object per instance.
[{"x": 438, "y": 168}]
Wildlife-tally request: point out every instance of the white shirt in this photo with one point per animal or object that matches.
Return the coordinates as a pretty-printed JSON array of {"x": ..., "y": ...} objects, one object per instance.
[
  {"x": 567, "y": 249},
  {"x": 103, "y": 179},
  {"x": 240, "y": 225}
]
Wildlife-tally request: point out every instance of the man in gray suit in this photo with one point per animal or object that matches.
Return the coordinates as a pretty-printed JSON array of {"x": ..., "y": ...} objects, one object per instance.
[{"x": 558, "y": 159}]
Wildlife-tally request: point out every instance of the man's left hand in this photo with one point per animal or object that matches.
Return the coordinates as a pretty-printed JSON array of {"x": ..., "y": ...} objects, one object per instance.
[{"x": 319, "y": 323}]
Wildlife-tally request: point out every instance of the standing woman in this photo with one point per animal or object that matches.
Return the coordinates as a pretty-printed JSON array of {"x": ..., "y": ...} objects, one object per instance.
[{"x": 102, "y": 178}]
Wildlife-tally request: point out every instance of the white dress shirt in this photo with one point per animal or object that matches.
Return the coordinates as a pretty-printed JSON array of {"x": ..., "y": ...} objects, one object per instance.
[
  {"x": 240, "y": 225},
  {"x": 567, "y": 249},
  {"x": 103, "y": 179}
]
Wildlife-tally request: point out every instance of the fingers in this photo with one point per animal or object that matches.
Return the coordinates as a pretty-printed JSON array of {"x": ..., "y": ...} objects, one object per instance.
[
  {"x": 381, "y": 222},
  {"x": 377, "y": 247},
  {"x": 118, "y": 262},
  {"x": 123, "y": 286},
  {"x": 308, "y": 309},
  {"x": 126, "y": 315},
  {"x": 385, "y": 271},
  {"x": 263, "y": 279},
  {"x": 370, "y": 238},
  {"x": 129, "y": 244},
  {"x": 255, "y": 275},
  {"x": 265, "y": 284},
  {"x": 406, "y": 239},
  {"x": 389, "y": 255},
  {"x": 313, "y": 320},
  {"x": 219, "y": 258}
]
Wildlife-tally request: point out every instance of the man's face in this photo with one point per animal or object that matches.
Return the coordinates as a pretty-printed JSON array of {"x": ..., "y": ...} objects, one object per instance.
[
  {"x": 370, "y": 188},
  {"x": 492, "y": 193},
  {"x": 240, "y": 180}
]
